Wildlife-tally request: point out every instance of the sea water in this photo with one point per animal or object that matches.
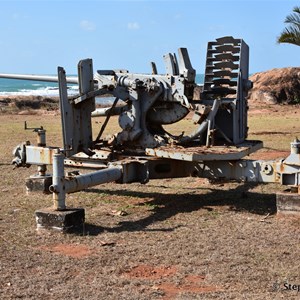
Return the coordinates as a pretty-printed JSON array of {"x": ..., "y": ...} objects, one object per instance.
[{"x": 16, "y": 87}]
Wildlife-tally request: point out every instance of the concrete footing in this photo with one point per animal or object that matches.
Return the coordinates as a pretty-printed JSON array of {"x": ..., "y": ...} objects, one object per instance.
[
  {"x": 68, "y": 220},
  {"x": 288, "y": 204},
  {"x": 38, "y": 184}
]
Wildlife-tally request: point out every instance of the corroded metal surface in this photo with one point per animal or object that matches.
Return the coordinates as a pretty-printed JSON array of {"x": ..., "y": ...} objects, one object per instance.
[
  {"x": 203, "y": 153},
  {"x": 40, "y": 155}
]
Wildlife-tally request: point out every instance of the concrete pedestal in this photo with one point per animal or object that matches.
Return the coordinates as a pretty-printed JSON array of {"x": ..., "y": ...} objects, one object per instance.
[
  {"x": 288, "y": 204},
  {"x": 38, "y": 184},
  {"x": 67, "y": 220}
]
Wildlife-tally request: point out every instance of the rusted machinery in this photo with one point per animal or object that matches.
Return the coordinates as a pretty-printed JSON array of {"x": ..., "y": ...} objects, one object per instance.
[{"x": 144, "y": 149}]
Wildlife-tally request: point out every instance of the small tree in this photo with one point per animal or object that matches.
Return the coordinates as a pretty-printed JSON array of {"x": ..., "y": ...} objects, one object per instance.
[{"x": 291, "y": 34}]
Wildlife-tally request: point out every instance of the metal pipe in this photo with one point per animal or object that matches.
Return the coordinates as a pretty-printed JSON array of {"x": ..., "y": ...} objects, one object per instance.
[
  {"x": 37, "y": 77},
  {"x": 41, "y": 137},
  {"x": 58, "y": 188},
  {"x": 41, "y": 142},
  {"x": 101, "y": 112},
  {"x": 125, "y": 81},
  {"x": 84, "y": 181},
  {"x": 105, "y": 111},
  {"x": 62, "y": 185}
]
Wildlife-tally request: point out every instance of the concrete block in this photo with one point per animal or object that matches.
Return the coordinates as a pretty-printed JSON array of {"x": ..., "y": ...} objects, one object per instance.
[
  {"x": 288, "y": 203},
  {"x": 68, "y": 220},
  {"x": 38, "y": 184}
]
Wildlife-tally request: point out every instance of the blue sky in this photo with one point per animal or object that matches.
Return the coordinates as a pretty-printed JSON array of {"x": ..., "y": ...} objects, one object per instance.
[{"x": 36, "y": 36}]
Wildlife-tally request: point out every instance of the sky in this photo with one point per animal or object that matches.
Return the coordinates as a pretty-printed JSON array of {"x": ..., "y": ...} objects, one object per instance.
[{"x": 37, "y": 36}]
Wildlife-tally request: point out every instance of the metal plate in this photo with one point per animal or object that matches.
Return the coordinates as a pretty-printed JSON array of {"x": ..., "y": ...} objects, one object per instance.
[{"x": 203, "y": 153}]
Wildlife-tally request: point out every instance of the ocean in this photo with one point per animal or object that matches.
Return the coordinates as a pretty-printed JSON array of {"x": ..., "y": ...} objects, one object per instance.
[{"x": 16, "y": 87}]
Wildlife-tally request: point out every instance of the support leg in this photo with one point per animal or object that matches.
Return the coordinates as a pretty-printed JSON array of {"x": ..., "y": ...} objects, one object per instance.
[{"x": 59, "y": 217}]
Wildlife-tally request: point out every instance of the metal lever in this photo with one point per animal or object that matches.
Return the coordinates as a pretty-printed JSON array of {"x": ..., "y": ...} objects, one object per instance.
[
  {"x": 41, "y": 134},
  {"x": 34, "y": 129}
]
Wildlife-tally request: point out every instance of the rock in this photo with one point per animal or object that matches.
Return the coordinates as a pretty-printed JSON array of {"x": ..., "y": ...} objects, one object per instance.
[
  {"x": 276, "y": 86},
  {"x": 197, "y": 92}
]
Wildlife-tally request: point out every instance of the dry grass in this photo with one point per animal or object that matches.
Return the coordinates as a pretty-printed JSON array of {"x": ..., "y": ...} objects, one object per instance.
[
  {"x": 276, "y": 126},
  {"x": 181, "y": 239}
]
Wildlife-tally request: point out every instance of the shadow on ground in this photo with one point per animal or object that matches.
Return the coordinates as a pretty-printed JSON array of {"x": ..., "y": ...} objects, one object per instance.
[{"x": 166, "y": 205}]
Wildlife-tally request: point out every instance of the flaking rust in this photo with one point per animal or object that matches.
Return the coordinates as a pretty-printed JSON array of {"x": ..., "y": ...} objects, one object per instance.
[{"x": 204, "y": 153}]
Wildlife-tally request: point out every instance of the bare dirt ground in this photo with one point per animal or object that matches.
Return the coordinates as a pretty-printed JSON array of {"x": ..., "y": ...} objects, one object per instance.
[{"x": 169, "y": 239}]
